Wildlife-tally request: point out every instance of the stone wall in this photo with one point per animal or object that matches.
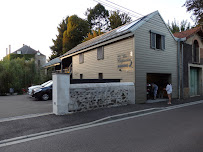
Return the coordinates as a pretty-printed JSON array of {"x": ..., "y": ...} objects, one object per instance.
[
  {"x": 92, "y": 96},
  {"x": 81, "y": 97}
]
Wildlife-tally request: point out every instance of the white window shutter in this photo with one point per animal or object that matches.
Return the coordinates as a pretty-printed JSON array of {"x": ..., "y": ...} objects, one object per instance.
[
  {"x": 153, "y": 40},
  {"x": 163, "y": 42}
]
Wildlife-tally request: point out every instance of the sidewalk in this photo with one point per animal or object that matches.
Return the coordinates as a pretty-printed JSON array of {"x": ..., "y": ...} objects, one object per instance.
[{"x": 22, "y": 127}]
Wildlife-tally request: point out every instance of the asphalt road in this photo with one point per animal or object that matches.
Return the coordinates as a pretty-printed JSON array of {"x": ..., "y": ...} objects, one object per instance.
[
  {"x": 177, "y": 130},
  {"x": 18, "y": 105}
]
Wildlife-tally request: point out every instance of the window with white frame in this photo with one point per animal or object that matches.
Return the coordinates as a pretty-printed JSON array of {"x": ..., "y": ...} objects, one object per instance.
[
  {"x": 100, "y": 53},
  {"x": 157, "y": 40}
]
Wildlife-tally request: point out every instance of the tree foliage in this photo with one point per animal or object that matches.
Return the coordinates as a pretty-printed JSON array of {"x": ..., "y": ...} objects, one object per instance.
[
  {"x": 58, "y": 42},
  {"x": 196, "y": 7},
  {"x": 19, "y": 73},
  {"x": 77, "y": 29},
  {"x": 93, "y": 34},
  {"x": 176, "y": 27},
  {"x": 117, "y": 19},
  {"x": 98, "y": 17}
]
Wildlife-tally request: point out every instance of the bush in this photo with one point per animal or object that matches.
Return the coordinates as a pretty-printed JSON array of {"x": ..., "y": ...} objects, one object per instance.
[{"x": 19, "y": 73}]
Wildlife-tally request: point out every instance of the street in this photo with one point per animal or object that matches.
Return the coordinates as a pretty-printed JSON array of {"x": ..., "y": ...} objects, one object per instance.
[{"x": 176, "y": 130}]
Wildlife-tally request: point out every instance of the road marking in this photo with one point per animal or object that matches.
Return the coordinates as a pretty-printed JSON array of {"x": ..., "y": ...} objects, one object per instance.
[
  {"x": 24, "y": 117},
  {"x": 22, "y": 139}
]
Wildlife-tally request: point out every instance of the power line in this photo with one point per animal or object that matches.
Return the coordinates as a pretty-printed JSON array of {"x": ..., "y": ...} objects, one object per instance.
[
  {"x": 109, "y": 5},
  {"x": 132, "y": 15},
  {"x": 125, "y": 8}
]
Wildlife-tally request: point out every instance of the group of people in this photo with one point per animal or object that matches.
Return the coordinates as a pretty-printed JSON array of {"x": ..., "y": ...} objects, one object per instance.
[{"x": 168, "y": 89}]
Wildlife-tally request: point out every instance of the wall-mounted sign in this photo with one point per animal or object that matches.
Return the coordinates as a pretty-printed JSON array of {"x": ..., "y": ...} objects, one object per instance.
[{"x": 124, "y": 61}]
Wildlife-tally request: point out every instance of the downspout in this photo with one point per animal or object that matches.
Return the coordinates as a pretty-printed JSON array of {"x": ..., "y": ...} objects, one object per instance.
[
  {"x": 61, "y": 66},
  {"x": 182, "y": 74},
  {"x": 178, "y": 68}
]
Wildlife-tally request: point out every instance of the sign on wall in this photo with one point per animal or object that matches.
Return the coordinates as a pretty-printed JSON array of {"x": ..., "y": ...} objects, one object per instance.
[{"x": 125, "y": 61}]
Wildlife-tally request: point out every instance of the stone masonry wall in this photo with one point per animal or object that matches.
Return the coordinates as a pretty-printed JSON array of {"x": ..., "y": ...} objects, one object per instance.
[{"x": 92, "y": 96}]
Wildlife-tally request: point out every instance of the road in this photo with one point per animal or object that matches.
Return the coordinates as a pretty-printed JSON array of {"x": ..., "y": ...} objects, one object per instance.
[
  {"x": 176, "y": 130},
  {"x": 18, "y": 105}
]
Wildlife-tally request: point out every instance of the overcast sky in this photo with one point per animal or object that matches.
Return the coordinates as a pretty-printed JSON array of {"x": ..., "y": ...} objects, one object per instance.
[{"x": 34, "y": 22}]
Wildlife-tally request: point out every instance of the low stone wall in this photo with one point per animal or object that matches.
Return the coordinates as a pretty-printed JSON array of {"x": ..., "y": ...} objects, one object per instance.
[
  {"x": 91, "y": 96},
  {"x": 81, "y": 97}
]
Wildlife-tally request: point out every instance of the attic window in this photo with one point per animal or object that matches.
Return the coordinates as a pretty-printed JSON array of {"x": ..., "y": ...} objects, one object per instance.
[
  {"x": 157, "y": 40},
  {"x": 38, "y": 53},
  {"x": 19, "y": 52},
  {"x": 100, "y": 53},
  {"x": 81, "y": 58}
]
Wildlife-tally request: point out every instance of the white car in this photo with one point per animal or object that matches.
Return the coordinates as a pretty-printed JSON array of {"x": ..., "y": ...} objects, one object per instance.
[{"x": 30, "y": 89}]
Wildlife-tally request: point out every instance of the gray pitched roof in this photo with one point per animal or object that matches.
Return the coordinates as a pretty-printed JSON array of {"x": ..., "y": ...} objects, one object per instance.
[
  {"x": 52, "y": 62},
  {"x": 26, "y": 50},
  {"x": 105, "y": 37}
]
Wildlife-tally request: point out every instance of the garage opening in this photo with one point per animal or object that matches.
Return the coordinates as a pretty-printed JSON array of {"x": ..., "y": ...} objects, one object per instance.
[{"x": 160, "y": 80}]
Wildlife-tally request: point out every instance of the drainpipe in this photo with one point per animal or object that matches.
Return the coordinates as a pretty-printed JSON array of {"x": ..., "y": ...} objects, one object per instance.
[
  {"x": 178, "y": 68},
  {"x": 61, "y": 66},
  {"x": 182, "y": 74}
]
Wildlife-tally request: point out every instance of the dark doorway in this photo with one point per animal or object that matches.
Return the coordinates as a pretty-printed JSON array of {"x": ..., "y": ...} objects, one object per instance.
[{"x": 161, "y": 81}]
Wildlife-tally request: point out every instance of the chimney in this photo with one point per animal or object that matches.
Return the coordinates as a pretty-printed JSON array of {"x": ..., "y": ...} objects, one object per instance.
[
  {"x": 6, "y": 51},
  {"x": 9, "y": 49}
]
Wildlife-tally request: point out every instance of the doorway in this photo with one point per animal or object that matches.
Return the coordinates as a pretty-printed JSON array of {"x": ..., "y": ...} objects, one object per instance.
[
  {"x": 160, "y": 80},
  {"x": 194, "y": 81}
]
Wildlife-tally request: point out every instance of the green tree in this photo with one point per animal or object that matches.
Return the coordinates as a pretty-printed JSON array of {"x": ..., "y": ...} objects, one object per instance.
[
  {"x": 92, "y": 34},
  {"x": 98, "y": 17},
  {"x": 58, "y": 42},
  {"x": 176, "y": 27},
  {"x": 77, "y": 30},
  {"x": 196, "y": 7},
  {"x": 117, "y": 19},
  {"x": 19, "y": 73}
]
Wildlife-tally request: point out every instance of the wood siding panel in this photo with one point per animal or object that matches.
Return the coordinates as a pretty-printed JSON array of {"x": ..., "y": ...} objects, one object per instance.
[
  {"x": 148, "y": 60},
  {"x": 108, "y": 66}
]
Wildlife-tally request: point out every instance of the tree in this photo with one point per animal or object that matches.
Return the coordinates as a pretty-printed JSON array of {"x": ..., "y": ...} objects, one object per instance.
[
  {"x": 58, "y": 43},
  {"x": 92, "y": 34},
  {"x": 175, "y": 27},
  {"x": 196, "y": 7},
  {"x": 77, "y": 30},
  {"x": 98, "y": 17},
  {"x": 117, "y": 19},
  {"x": 19, "y": 73}
]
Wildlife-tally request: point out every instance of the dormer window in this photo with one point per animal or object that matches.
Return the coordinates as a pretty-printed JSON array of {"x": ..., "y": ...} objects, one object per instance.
[
  {"x": 19, "y": 52},
  {"x": 38, "y": 53}
]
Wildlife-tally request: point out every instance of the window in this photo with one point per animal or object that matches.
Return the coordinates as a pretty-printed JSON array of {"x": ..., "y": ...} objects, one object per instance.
[
  {"x": 81, "y": 58},
  {"x": 196, "y": 52},
  {"x": 100, "y": 75},
  {"x": 157, "y": 41},
  {"x": 100, "y": 53},
  {"x": 38, "y": 62},
  {"x": 18, "y": 52},
  {"x": 81, "y": 76}
]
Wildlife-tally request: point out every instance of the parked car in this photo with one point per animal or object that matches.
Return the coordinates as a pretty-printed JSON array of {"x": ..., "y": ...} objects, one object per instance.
[
  {"x": 30, "y": 89},
  {"x": 43, "y": 93}
]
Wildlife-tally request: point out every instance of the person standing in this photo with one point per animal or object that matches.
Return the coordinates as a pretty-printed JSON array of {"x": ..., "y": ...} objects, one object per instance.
[
  {"x": 169, "y": 92},
  {"x": 155, "y": 89}
]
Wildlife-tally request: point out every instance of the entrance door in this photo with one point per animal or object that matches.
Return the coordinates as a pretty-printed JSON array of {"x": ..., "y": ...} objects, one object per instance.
[{"x": 194, "y": 81}]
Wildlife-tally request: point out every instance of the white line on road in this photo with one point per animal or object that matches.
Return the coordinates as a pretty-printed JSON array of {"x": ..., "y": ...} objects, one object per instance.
[
  {"x": 24, "y": 117},
  {"x": 87, "y": 125}
]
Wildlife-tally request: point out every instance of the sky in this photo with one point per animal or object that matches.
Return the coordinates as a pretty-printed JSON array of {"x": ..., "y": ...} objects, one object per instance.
[{"x": 34, "y": 22}]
